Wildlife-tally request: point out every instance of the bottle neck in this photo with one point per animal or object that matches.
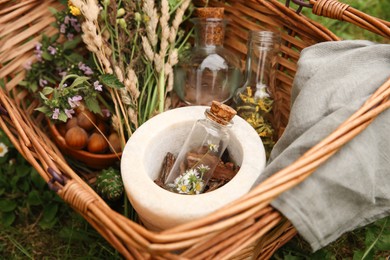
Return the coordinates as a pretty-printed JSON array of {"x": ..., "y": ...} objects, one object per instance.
[
  {"x": 262, "y": 47},
  {"x": 216, "y": 121},
  {"x": 209, "y": 32}
]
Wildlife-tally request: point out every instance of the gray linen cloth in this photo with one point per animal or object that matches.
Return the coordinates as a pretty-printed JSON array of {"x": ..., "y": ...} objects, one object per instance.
[{"x": 352, "y": 188}]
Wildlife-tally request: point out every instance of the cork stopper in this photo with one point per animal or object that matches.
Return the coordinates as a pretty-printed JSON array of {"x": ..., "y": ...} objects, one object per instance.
[
  {"x": 211, "y": 25},
  {"x": 221, "y": 113},
  {"x": 210, "y": 12}
]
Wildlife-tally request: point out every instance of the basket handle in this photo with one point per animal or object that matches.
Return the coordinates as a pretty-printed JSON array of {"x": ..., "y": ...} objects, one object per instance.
[{"x": 337, "y": 10}]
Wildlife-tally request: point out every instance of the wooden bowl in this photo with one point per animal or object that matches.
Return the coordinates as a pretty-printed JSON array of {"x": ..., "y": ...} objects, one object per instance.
[{"x": 96, "y": 161}]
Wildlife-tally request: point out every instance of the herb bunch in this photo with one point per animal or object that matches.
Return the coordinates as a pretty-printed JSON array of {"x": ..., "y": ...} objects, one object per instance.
[
  {"x": 63, "y": 74},
  {"x": 138, "y": 42}
]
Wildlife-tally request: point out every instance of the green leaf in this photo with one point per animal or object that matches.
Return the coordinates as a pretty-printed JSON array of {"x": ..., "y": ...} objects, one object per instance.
[
  {"x": 53, "y": 10},
  {"x": 45, "y": 38},
  {"x": 24, "y": 186},
  {"x": 37, "y": 180},
  {"x": 47, "y": 91},
  {"x": 93, "y": 105},
  {"x": 109, "y": 80},
  {"x": 33, "y": 86},
  {"x": 7, "y": 218},
  {"x": 68, "y": 45},
  {"x": 49, "y": 212},
  {"x": 34, "y": 199},
  {"x": 44, "y": 110},
  {"x": 7, "y": 205},
  {"x": 74, "y": 57},
  {"x": 23, "y": 169},
  {"x": 74, "y": 234},
  {"x": 23, "y": 83},
  {"x": 62, "y": 117},
  {"x": 47, "y": 56},
  {"x": 78, "y": 81},
  {"x": 43, "y": 97},
  {"x": 291, "y": 257},
  {"x": 55, "y": 37},
  {"x": 47, "y": 224}
]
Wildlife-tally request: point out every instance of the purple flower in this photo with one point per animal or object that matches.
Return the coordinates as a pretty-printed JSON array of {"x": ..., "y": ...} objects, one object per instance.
[
  {"x": 38, "y": 51},
  {"x": 70, "y": 36},
  {"x": 97, "y": 86},
  {"x": 52, "y": 50},
  {"x": 73, "y": 21},
  {"x": 27, "y": 65},
  {"x": 75, "y": 101},
  {"x": 106, "y": 112},
  {"x": 56, "y": 113},
  {"x": 75, "y": 24},
  {"x": 87, "y": 70},
  {"x": 62, "y": 73},
  {"x": 66, "y": 19},
  {"x": 62, "y": 28},
  {"x": 42, "y": 82},
  {"x": 77, "y": 27},
  {"x": 69, "y": 112}
]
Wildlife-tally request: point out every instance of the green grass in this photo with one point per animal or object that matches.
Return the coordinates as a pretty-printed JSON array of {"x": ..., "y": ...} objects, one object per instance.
[{"x": 36, "y": 224}]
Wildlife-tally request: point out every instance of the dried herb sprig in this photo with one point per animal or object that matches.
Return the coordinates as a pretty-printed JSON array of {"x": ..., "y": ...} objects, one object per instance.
[
  {"x": 161, "y": 44},
  {"x": 256, "y": 112}
]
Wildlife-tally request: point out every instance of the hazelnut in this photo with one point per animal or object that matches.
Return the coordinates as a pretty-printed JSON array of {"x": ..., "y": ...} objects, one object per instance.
[
  {"x": 115, "y": 143},
  {"x": 76, "y": 137},
  {"x": 86, "y": 119},
  {"x": 97, "y": 143},
  {"x": 102, "y": 127},
  {"x": 71, "y": 123}
]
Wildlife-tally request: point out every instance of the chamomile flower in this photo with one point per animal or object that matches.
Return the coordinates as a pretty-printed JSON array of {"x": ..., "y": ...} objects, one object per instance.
[
  {"x": 203, "y": 168},
  {"x": 190, "y": 182},
  {"x": 212, "y": 147},
  {"x": 198, "y": 187},
  {"x": 3, "y": 149}
]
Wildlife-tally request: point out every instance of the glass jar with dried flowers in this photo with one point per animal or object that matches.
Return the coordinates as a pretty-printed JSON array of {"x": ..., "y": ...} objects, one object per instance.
[
  {"x": 253, "y": 101},
  {"x": 201, "y": 151}
]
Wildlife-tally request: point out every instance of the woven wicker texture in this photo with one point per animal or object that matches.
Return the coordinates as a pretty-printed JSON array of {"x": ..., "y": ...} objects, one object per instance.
[{"x": 249, "y": 227}]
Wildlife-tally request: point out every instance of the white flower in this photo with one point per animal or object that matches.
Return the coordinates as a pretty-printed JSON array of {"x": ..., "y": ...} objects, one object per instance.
[
  {"x": 203, "y": 168},
  {"x": 261, "y": 91},
  {"x": 212, "y": 147},
  {"x": 3, "y": 149},
  {"x": 198, "y": 187}
]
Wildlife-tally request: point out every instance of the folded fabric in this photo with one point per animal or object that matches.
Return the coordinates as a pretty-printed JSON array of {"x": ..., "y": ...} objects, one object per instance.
[{"x": 352, "y": 188}]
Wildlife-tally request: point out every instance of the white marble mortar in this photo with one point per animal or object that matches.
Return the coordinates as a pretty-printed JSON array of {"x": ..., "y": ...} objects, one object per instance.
[{"x": 142, "y": 160}]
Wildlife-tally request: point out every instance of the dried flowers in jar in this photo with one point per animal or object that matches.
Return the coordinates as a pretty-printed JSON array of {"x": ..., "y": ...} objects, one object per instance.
[{"x": 201, "y": 151}]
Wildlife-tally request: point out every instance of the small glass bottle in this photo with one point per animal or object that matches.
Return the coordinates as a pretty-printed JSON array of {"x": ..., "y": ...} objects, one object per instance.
[
  {"x": 208, "y": 71},
  {"x": 201, "y": 151},
  {"x": 254, "y": 100}
]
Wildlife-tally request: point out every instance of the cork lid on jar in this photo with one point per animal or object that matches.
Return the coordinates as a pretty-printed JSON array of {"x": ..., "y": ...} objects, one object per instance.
[
  {"x": 221, "y": 113},
  {"x": 210, "y": 12},
  {"x": 211, "y": 25}
]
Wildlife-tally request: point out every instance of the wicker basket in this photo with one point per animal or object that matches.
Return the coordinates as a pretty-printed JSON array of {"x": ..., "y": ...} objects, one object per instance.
[{"x": 249, "y": 227}]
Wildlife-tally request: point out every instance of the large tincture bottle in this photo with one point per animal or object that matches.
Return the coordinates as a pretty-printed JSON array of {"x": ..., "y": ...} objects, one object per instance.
[
  {"x": 201, "y": 151},
  {"x": 208, "y": 71},
  {"x": 253, "y": 101}
]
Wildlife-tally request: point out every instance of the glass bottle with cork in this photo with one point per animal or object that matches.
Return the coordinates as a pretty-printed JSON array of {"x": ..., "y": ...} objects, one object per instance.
[
  {"x": 208, "y": 71},
  {"x": 202, "y": 150},
  {"x": 254, "y": 100}
]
